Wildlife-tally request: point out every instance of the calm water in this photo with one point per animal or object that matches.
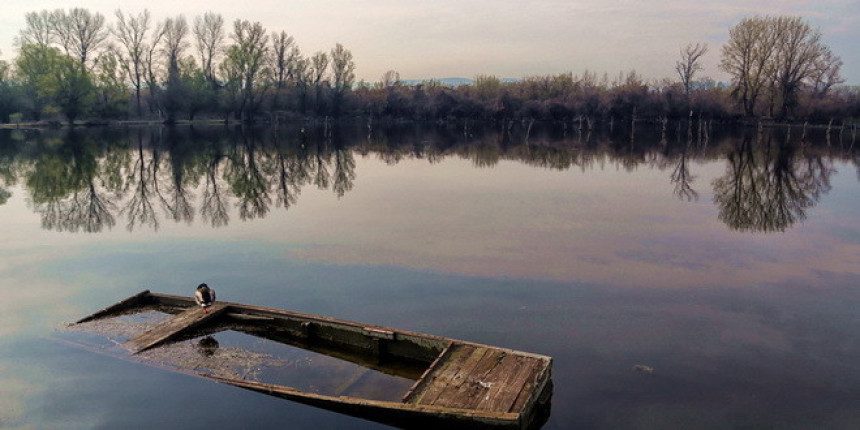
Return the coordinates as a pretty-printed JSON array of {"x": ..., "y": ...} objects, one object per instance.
[{"x": 728, "y": 263}]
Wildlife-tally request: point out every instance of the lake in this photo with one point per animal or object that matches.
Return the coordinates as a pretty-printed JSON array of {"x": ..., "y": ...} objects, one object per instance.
[{"x": 723, "y": 261}]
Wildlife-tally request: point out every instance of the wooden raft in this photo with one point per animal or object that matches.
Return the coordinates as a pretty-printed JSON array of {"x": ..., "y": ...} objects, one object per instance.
[
  {"x": 173, "y": 326},
  {"x": 468, "y": 376}
]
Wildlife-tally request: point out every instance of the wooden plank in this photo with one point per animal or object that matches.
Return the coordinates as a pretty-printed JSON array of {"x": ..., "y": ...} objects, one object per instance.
[
  {"x": 473, "y": 382},
  {"x": 440, "y": 377},
  {"x": 533, "y": 387},
  {"x": 423, "y": 380},
  {"x": 375, "y": 409},
  {"x": 503, "y": 395},
  {"x": 117, "y": 307},
  {"x": 451, "y": 376},
  {"x": 174, "y": 325}
]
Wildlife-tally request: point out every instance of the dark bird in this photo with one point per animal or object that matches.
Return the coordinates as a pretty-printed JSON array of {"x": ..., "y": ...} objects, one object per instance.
[{"x": 205, "y": 296}]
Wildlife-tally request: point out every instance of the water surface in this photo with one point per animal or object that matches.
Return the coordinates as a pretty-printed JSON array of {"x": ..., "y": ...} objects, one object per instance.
[{"x": 727, "y": 263}]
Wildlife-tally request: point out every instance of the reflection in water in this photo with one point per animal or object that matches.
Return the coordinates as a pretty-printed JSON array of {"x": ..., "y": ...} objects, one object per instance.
[
  {"x": 207, "y": 346},
  {"x": 769, "y": 184},
  {"x": 83, "y": 180}
]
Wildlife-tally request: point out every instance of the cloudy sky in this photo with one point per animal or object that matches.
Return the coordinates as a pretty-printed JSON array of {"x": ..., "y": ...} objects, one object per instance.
[{"x": 506, "y": 38}]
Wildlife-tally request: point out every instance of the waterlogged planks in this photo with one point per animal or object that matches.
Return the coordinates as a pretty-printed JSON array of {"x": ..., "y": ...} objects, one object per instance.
[
  {"x": 172, "y": 326},
  {"x": 463, "y": 385},
  {"x": 479, "y": 378}
]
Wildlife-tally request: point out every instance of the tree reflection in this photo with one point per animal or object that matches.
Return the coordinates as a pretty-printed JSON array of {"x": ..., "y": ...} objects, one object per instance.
[
  {"x": 141, "y": 182},
  {"x": 8, "y": 177},
  {"x": 183, "y": 177},
  {"x": 214, "y": 202},
  {"x": 767, "y": 186},
  {"x": 681, "y": 177},
  {"x": 248, "y": 177},
  {"x": 84, "y": 180},
  {"x": 64, "y": 183}
]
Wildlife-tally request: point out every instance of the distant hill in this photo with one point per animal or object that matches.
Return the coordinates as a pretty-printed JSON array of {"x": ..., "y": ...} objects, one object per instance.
[{"x": 451, "y": 82}]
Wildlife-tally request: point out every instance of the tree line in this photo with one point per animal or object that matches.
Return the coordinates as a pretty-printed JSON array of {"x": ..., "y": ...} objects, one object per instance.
[{"x": 74, "y": 65}]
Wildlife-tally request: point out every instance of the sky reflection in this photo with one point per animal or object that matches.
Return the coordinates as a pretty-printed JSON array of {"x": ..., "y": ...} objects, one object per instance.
[{"x": 580, "y": 249}]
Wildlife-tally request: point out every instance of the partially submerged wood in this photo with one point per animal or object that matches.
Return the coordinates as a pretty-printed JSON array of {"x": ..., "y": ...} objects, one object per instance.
[
  {"x": 173, "y": 326},
  {"x": 136, "y": 300},
  {"x": 457, "y": 384},
  {"x": 480, "y": 378}
]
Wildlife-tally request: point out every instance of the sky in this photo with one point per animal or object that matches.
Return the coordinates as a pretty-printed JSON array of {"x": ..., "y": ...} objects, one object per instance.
[{"x": 506, "y": 38}]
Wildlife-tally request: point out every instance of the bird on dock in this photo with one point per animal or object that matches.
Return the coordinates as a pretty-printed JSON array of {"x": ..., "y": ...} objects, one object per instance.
[{"x": 204, "y": 296}]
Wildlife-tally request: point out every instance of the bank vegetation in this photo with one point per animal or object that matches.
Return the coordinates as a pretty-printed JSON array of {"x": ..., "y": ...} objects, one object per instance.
[{"x": 74, "y": 66}]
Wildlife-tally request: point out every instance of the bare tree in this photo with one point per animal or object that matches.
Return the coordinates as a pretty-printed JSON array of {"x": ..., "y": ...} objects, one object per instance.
[
  {"x": 209, "y": 37},
  {"x": 151, "y": 64},
  {"x": 38, "y": 30},
  {"x": 689, "y": 64},
  {"x": 799, "y": 56},
  {"x": 747, "y": 57},
  {"x": 298, "y": 75},
  {"x": 826, "y": 74},
  {"x": 79, "y": 31},
  {"x": 319, "y": 67},
  {"x": 297, "y": 67},
  {"x": 777, "y": 54},
  {"x": 281, "y": 45},
  {"x": 390, "y": 79},
  {"x": 131, "y": 32},
  {"x": 175, "y": 43},
  {"x": 343, "y": 69}
]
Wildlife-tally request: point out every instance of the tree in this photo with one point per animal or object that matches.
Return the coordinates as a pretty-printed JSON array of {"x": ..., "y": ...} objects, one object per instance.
[
  {"x": 79, "y": 31},
  {"x": 131, "y": 34},
  {"x": 175, "y": 43},
  {"x": 209, "y": 38},
  {"x": 280, "y": 55},
  {"x": 298, "y": 74},
  {"x": 39, "y": 30},
  {"x": 780, "y": 55},
  {"x": 246, "y": 59},
  {"x": 318, "y": 68},
  {"x": 800, "y": 58},
  {"x": 198, "y": 89},
  {"x": 175, "y": 95},
  {"x": 689, "y": 64},
  {"x": 33, "y": 68},
  {"x": 110, "y": 89},
  {"x": 389, "y": 79},
  {"x": 9, "y": 94},
  {"x": 281, "y": 45},
  {"x": 55, "y": 78},
  {"x": 343, "y": 70},
  {"x": 151, "y": 65},
  {"x": 71, "y": 88},
  {"x": 747, "y": 58}
]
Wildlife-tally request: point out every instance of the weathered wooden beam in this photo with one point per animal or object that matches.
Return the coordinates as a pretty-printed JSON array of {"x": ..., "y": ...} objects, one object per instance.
[
  {"x": 401, "y": 414},
  {"x": 137, "y": 299},
  {"x": 173, "y": 326}
]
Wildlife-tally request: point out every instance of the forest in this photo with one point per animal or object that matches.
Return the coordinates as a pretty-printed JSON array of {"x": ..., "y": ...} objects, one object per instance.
[{"x": 75, "y": 67}]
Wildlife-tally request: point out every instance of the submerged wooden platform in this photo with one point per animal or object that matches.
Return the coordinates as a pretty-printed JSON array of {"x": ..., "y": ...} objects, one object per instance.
[{"x": 463, "y": 384}]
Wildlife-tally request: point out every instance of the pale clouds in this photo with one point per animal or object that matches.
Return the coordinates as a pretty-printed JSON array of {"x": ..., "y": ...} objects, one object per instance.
[{"x": 507, "y": 38}]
